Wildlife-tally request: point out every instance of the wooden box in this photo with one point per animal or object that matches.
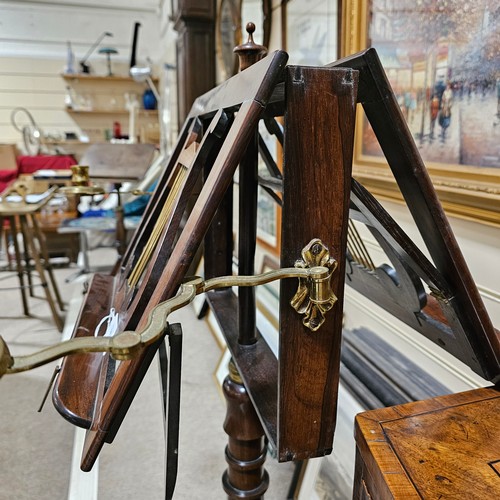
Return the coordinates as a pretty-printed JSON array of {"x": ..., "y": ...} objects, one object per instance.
[{"x": 444, "y": 447}]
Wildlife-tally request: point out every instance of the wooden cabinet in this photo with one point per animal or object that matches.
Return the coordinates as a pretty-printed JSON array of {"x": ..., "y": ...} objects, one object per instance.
[
  {"x": 98, "y": 102},
  {"x": 445, "y": 447}
]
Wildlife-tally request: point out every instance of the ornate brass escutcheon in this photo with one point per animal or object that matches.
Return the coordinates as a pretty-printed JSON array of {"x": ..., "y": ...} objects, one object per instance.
[{"x": 313, "y": 298}]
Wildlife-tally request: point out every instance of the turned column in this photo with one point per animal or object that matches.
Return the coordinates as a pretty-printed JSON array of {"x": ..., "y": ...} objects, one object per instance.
[
  {"x": 246, "y": 451},
  {"x": 245, "y": 476}
]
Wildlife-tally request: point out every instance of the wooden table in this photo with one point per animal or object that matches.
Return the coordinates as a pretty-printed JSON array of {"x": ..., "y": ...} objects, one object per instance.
[{"x": 444, "y": 447}]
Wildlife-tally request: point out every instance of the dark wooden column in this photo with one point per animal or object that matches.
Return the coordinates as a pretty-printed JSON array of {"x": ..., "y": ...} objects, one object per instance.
[
  {"x": 194, "y": 21},
  {"x": 246, "y": 451},
  {"x": 248, "y": 53},
  {"x": 195, "y": 25}
]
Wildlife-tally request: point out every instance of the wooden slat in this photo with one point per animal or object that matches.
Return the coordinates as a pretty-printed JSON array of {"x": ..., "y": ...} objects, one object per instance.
[{"x": 317, "y": 176}]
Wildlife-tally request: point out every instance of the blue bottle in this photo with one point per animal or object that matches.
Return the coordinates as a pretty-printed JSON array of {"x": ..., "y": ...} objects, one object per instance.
[{"x": 149, "y": 99}]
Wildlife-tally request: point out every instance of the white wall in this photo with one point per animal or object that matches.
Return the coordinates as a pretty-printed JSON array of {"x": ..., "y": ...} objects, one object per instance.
[
  {"x": 42, "y": 28},
  {"x": 33, "y": 51},
  {"x": 480, "y": 245}
]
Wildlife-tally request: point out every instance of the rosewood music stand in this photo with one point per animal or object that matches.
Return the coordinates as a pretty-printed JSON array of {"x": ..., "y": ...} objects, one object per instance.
[{"x": 297, "y": 412}]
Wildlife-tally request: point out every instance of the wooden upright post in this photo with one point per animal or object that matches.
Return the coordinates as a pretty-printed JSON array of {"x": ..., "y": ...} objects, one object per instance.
[{"x": 246, "y": 449}]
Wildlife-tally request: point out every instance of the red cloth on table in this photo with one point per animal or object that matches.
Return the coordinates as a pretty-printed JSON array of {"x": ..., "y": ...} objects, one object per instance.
[
  {"x": 30, "y": 164},
  {"x": 6, "y": 177}
]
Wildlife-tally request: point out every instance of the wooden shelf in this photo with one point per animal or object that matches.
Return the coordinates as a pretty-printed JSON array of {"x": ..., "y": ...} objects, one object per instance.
[
  {"x": 101, "y": 100},
  {"x": 98, "y": 78},
  {"x": 67, "y": 142},
  {"x": 145, "y": 112}
]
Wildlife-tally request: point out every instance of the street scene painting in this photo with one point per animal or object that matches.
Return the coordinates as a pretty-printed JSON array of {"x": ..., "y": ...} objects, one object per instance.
[{"x": 442, "y": 58}]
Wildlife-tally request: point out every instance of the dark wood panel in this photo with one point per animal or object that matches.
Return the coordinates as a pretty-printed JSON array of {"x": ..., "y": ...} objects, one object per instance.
[
  {"x": 195, "y": 63},
  {"x": 319, "y": 130}
]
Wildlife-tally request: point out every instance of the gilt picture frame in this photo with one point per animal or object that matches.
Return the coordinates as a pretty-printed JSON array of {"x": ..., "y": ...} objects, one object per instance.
[{"x": 456, "y": 56}]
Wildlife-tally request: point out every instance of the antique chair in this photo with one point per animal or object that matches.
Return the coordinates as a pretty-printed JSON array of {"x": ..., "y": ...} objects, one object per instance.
[{"x": 20, "y": 212}]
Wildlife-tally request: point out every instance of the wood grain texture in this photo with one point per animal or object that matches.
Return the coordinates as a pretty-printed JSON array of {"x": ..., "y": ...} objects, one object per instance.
[
  {"x": 319, "y": 131},
  {"x": 246, "y": 451},
  {"x": 76, "y": 405},
  {"x": 445, "y": 447}
]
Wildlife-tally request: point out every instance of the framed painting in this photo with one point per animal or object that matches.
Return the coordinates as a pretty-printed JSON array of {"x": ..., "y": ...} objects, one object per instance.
[{"x": 442, "y": 59}]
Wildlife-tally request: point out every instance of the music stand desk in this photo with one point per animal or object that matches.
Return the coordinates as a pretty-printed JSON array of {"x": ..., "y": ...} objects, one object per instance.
[{"x": 118, "y": 162}]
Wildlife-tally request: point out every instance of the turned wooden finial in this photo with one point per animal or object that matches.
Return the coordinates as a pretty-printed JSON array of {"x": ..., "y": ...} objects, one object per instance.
[{"x": 249, "y": 52}]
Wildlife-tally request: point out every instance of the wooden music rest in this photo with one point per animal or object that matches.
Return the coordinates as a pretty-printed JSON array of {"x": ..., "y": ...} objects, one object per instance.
[
  {"x": 212, "y": 141},
  {"x": 444, "y": 447}
]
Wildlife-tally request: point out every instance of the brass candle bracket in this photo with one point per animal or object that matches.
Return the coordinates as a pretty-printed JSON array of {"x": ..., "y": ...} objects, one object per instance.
[{"x": 314, "y": 289}]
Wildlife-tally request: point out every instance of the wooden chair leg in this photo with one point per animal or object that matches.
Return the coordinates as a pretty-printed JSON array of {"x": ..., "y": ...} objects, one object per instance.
[
  {"x": 19, "y": 265},
  {"x": 28, "y": 265},
  {"x": 246, "y": 451},
  {"x": 29, "y": 231},
  {"x": 47, "y": 265}
]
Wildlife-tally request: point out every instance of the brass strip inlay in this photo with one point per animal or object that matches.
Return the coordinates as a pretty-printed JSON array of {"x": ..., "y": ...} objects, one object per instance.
[{"x": 160, "y": 224}]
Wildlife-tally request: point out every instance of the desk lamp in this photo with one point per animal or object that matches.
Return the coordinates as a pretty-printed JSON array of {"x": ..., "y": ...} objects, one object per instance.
[{"x": 83, "y": 63}]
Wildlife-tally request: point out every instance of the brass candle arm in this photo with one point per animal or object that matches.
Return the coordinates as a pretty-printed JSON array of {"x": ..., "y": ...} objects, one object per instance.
[{"x": 127, "y": 344}]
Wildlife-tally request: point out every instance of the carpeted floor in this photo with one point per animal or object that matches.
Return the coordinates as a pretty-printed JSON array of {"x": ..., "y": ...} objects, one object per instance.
[{"x": 36, "y": 448}]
